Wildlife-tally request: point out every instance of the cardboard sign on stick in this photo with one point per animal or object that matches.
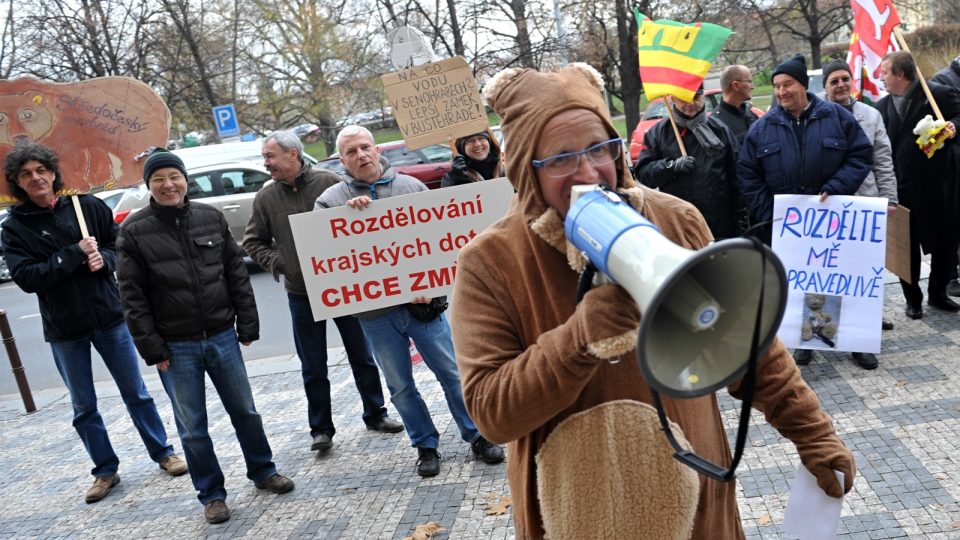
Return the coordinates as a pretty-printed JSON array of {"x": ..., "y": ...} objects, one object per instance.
[
  {"x": 395, "y": 250},
  {"x": 97, "y": 127},
  {"x": 898, "y": 243},
  {"x": 436, "y": 102}
]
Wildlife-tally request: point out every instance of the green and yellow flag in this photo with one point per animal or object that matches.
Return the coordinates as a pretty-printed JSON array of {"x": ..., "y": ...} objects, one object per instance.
[{"x": 675, "y": 57}]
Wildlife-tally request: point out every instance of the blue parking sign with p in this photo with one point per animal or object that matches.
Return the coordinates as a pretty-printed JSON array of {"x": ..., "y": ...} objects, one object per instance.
[{"x": 225, "y": 117}]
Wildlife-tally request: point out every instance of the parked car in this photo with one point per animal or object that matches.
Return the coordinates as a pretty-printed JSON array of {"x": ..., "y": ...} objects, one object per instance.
[
  {"x": 308, "y": 133},
  {"x": 657, "y": 110},
  {"x": 228, "y": 187},
  {"x": 427, "y": 164},
  {"x": 4, "y": 269},
  {"x": 201, "y": 156}
]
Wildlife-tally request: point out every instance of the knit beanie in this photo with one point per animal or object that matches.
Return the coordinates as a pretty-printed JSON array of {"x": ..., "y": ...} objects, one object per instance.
[
  {"x": 795, "y": 67},
  {"x": 462, "y": 141},
  {"x": 832, "y": 66},
  {"x": 159, "y": 159},
  {"x": 525, "y": 100}
]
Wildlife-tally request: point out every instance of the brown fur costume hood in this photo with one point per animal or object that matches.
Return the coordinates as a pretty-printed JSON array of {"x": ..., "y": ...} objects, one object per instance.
[{"x": 525, "y": 351}]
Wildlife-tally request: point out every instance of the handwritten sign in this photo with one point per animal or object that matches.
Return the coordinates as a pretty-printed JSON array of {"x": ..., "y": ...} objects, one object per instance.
[
  {"x": 97, "y": 127},
  {"x": 436, "y": 102},
  {"x": 833, "y": 253},
  {"x": 395, "y": 250}
]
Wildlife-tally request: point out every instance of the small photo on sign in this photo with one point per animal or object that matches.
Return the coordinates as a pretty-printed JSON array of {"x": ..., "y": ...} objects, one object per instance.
[{"x": 821, "y": 319}]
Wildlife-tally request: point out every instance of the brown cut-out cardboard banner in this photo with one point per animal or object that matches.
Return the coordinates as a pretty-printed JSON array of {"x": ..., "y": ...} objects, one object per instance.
[
  {"x": 898, "y": 243},
  {"x": 435, "y": 102},
  {"x": 97, "y": 127}
]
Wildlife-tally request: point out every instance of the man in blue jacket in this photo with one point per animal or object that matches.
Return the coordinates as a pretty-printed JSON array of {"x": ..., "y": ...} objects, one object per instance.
[{"x": 804, "y": 145}]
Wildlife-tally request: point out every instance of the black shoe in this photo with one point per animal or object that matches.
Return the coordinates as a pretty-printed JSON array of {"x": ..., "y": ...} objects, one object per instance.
[
  {"x": 321, "y": 442},
  {"x": 385, "y": 425},
  {"x": 943, "y": 303},
  {"x": 802, "y": 356},
  {"x": 428, "y": 464},
  {"x": 486, "y": 450},
  {"x": 953, "y": 288},
  {"x": 865, "y": 360},
  {"x": 914, "y": 312},
  {"x": 276, "y": 484},
  {"x": 886, "y": 325}
]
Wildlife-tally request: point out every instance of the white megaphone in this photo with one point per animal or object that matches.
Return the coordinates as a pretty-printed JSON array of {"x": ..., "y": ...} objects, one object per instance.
[{"x": 698, "y": 308}]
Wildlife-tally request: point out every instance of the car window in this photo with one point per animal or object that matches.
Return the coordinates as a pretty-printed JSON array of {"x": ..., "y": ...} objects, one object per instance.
[
  {"x": 437, "y": 153},
  {"x": 399, "y": 156},
  {"x": 200, "y": 186},
  {"x": 712, "y": 101},
  {"x": 655, "y": 110},
  {"x": 242, "y": 181},
  {"x": 112, "y": 200}
]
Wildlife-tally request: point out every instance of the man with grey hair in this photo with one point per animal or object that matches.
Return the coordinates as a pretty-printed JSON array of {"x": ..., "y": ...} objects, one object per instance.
[
  {"x": 389, "y": 330},
  {"x": 734, "y": 110},
  {"x": 269, "y": 241}
]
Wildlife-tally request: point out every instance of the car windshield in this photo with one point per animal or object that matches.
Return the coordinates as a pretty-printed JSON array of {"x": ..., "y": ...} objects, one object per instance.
[{"x": 657, "y": 109}]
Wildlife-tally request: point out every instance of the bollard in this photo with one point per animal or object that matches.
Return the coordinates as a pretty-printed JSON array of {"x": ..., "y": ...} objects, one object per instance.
[{"x": 10, "y": 343}]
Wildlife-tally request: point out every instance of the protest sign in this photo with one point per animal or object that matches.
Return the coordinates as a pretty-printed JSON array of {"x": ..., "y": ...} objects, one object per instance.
[
  {"x": 395, "y": 250},
  {"x": 435, "y": 102},
  {"x": 898, "y": 243},
  {"x": 833, "y": 253}
]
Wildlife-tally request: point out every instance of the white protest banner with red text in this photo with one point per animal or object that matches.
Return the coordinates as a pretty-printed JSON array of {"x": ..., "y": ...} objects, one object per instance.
[{"x": 395, "y": 250}]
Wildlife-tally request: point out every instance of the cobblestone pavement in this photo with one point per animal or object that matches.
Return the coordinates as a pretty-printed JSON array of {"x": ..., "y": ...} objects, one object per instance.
[{"x": 901, "y": 422}]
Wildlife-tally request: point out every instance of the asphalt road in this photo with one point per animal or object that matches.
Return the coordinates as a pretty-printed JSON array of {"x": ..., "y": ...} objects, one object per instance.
[{"x": 276, "y": 336}]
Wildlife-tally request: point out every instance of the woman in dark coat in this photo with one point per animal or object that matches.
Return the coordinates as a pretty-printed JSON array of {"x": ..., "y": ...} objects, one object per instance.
[{"x": 475, "y": 158}]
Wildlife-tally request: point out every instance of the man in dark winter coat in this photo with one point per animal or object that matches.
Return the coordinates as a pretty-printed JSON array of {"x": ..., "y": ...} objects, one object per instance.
[
  {"x": 184, "y": 287},
  {"x": 269, "y": 241},
  {"x": 927, "y": 186},
  {"x": 79, "y": 305},
  {"x": 950, "y": 76},
  {"x": 804, "y": 145},
  {"x": 734, "y": 109},
  {"x": 706, "y": 176}
]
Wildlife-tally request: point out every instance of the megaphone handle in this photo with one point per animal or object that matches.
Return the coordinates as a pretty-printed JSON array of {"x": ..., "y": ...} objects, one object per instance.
[{"x": 586, "y": 280}]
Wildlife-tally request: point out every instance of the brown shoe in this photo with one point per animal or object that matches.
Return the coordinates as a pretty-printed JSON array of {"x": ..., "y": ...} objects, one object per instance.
[
  {"x": 101, "y": 487},
  {"x": 173, "y": 465},
  {"x": 216, "y": 511},
  {"x": 276, "y": 484}
]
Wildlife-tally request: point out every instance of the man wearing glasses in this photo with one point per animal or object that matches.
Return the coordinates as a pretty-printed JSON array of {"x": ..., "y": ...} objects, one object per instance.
[
  {"x": 734, "y": 109},
  {"x": 881, "y": 181},
  {"x": 706, "y": 176},
  {"x": 389, "y": 330}
]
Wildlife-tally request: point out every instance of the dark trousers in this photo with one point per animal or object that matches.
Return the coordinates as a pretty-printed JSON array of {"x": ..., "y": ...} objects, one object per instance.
[
  {"x": 310, "y": 338},
  {"x": 941, "y": 260}
]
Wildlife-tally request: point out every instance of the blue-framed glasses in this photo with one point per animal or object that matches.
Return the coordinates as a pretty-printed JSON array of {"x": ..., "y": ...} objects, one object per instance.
[{"x": 568, "y": 163}]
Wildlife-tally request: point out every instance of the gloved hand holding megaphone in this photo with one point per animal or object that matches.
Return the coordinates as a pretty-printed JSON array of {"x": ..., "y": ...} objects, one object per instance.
[{"x": 706, "y": 315}]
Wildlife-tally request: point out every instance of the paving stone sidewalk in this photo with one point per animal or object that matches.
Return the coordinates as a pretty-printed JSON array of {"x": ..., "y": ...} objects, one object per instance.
[{"x": 901, "y": 422}]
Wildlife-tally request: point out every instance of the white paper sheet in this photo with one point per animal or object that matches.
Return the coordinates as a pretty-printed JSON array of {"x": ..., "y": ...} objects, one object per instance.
[{"x": 811, "y": 514}]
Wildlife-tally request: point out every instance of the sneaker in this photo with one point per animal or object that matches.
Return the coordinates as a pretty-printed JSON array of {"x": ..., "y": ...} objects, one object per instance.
[
  {"x": 486, "y": 450},
  {"x": 321, "y": 443},
  {"x": 802, "y": 356},
  {"x": 216, "y": 511},
  {"x": 953, "y": 288},
  {"x": 385, "y": 425},
  {"x": 173, "y": 465},
  {"x": 865, "y": 360},
  {"x": 101, "y": 487},
  {"x": 276, "y": 484},
  {"x": 428, "y": 464}
]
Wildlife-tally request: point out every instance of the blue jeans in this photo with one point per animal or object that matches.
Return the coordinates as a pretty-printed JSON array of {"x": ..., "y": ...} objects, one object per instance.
[
  {"x": 219, "y": 357},
  {"x": 310, "y": 338},
  {"x": 74, "y": 364},
  {"x": 389, "y": 336}
]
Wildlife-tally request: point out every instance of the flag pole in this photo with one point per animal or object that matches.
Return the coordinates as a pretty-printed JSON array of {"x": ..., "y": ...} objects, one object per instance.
[
  {"x": 673, "y": 122},
  {"x": 923, "y": 83}
]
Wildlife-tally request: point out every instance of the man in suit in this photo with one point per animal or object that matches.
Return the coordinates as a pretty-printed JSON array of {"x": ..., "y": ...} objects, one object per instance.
[{"x": 925, "y": 185}]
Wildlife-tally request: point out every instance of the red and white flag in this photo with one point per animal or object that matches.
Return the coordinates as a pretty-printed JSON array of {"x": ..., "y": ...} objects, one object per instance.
[{"x": 872, "y": 38}]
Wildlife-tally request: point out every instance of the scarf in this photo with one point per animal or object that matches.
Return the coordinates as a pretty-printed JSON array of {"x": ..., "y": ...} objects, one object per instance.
[{"x": 698, "y": 126}]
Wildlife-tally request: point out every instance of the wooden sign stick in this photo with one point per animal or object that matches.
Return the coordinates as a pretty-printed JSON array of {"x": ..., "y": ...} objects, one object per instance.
[{"x": 79, "y": 211}]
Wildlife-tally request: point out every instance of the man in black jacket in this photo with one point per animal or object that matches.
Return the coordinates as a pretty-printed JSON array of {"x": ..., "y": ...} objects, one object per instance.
[
  {"x": 950, "y": 76},
  {"x": 925, "y": 185},
  {"x": 184, "y": 286},
  {"x": 79, "y": 305}
]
